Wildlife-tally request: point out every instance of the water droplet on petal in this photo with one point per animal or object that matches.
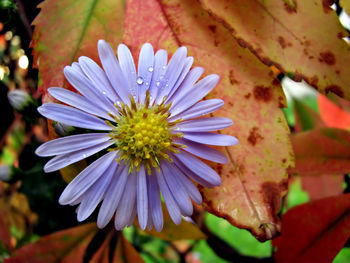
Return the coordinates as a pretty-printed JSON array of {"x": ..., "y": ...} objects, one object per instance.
[
  {"x": 147, "y": 83},
  {"x": 164, "y": 67},
  {"x": 139, "y": 80},
  {"x": 150, "y": 69},
  {"x": 157, "y": 83},
  {"x": 84, "y": 155},
  {"x": 104, "y": 93}
]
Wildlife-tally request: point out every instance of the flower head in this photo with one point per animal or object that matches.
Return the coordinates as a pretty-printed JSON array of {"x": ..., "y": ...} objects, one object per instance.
[{"x": 149, "y": 126}]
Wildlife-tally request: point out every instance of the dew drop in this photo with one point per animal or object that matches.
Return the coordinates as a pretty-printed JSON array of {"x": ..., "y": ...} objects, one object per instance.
[
  {"x": 104, "y": 93},
  {"x": 150, "y": 69},
  {"x": 84, "y": 155},
  {"x": 139, "y": 80},
  {"x": 147, "y": 83},
  {"x": 157, "y": 83},
  {"x": 164, "y": 67}
]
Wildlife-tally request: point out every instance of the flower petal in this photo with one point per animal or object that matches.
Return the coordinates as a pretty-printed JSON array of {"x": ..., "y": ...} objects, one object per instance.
[
  {"x": 199, "y": 168},
  {"x": 127, "y": 202},
  {"x": 172, "y": 73},
  {"x": 113, "y": 195},
  {"x": 191, "y": 174},
  {"x": 177, "y": 189},
  {"x": 171, "y": 204},
  {"x": 160, "y": 61},
  {"x": 95, "y": 193},
  {"x": 203, "y": 151},
  {"x": 155, "y": 205},
  {"x": 142, "y": 198},
  {"x": 180, "y": 80},
  {"x": 211, "y": 138},
  {"x": 113, "y": 71},
  {"x": 204, "y": 124},
  {"x": 191, "y": 189},
  {"x": 145, "y": 70},
  {"x": 82, "y": 84},
  {"x": 64, "y": 160},
  {"x": 86, "y": 178},
  {"x": 186, "y": 85},
  {"x": 71, "y": 116},
  {"x": 71, "y": 143},
  {"x": 78, "y": 101},
  {"x": 198, "y": 92},
  {"x": 199, "y": 109},
  {"x": 98, "y": 77},
  {"x": 127, "y": 65}
]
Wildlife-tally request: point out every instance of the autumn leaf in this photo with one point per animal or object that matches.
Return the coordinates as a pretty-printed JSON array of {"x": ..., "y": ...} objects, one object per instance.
[
  {"x": 346, "y": 5},
  {"x": 125, "y": 252},
  {"x": 323, "y": 150},
  {"x": 65, "y": 30},
  {"x": 66, "y": 246},
  {"x": 299, "y": 37},
  {"x": 323, "y": 228},
  {"x": 333, "y": 115}
]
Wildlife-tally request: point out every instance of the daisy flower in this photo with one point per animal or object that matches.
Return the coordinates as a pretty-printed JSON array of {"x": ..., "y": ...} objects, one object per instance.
[{"x": 149, "y": 126}]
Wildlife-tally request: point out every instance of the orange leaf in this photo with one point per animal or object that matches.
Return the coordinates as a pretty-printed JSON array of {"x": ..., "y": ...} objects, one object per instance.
[
  {"x": 323, "y": 150},
  {"x": 280, "y": 34},
  {"x": 332, "y": 115},
  {"x": 65, "y": 30},
  {"x": 66, "y": 246},
  {"x": 125, "y": 252},
  {"x": 323, "y": 228}
]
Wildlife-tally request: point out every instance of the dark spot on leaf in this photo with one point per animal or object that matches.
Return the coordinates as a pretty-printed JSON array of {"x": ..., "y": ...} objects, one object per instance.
[
  {"x": 230, "y": 103},
  {"x": 284, "y": 160},
  {"x": 271, "y": 193},
  {"x": 337, "y": 71},
  {"x": 262, "y": 93},
  {"x": 327, "y": 5},
  {"x": 335, "y": 89},
  {"x": 254, "y": 136},
  {"x": 314, "y": 81},
  {"x": 247, "y": 96},
  {"x": 232, "y": 78},
  {"x": 328, "y": 57},
  {"x": 282, "y": 42},
  {"x": 307, "y": 43},
  {"x": 290, "y": 9},
  {"x": 219, "y": 168},
  {"x": 276, "y": 82},
  {"x": 281, "y": 102},
  {"x": 216, "y": 42},
  {"x": 340, "y": 35},
  {"x": 212, "y": 28}
]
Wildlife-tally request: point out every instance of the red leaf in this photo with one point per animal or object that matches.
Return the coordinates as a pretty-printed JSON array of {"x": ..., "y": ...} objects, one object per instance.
[
  {"x": 323, "y": 185},
  {"x": 66, "y": 246},
  {"x": 314, "y": 232},
  {"x": 332, "y": 115},
  {"x": 322, "y": 151}
]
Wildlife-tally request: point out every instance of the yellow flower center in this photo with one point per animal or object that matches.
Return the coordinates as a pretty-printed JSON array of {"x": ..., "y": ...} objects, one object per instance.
[{"x": 143, "y": 134}]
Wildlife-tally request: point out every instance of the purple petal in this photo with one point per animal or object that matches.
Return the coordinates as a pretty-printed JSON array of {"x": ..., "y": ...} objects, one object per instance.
[
  {"x": 79, "y": 102},
  {"x": 126, "y": 203},
  {"x": 191, "y": 174},
  {"x": 184, "y": 72},
  {"x": 98, "y": 77},
  {"x": 133, "y": 215},
  {"x": 211, "y": 138},
  {"x": 199, "y": 109},
  {"x": 82, "y": 84},
  {"x": 113, "y": 71},
  {"x": 155, "y": 205},
  {"x": 203, "y": 151},
  {"x": 127, "y": 65},
  {"x": 187, "y": 183},
  {"x": 142, "y": 198},
  {"x": 64, "y": 160},
  {"x": 198, "y": 92},
  {"x": 95, "y": 193},
  {"x": 186, "y": 85},
  {"x": 113, "y": 195},
  {"x": 172, "y": 73},
  {"x": 204, "y": 124},
  {"x": 71, "y": 116},
  {"x": 86, "y": 178},
  {"x": 177, "y": 189},
  {"x": 145, "y": 70},
  {"x": 199, "y": 168},
  {"x": 160, "y": 61},
  {"x": 71, "y": 143},
  {"x": 173, "y": 208}
]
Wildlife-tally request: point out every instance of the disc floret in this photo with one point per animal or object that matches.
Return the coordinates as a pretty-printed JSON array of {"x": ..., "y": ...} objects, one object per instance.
[{"x": 143, "y": 133}]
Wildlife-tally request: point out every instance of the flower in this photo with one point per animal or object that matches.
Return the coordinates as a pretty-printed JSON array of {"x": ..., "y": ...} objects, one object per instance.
[
  {"x": 19, "y": 99},
  {"x": 151, "y": 126}
]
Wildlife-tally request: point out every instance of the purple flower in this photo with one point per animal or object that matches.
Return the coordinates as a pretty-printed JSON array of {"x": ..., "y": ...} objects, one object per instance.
[{"x": 150, "y": 124}]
